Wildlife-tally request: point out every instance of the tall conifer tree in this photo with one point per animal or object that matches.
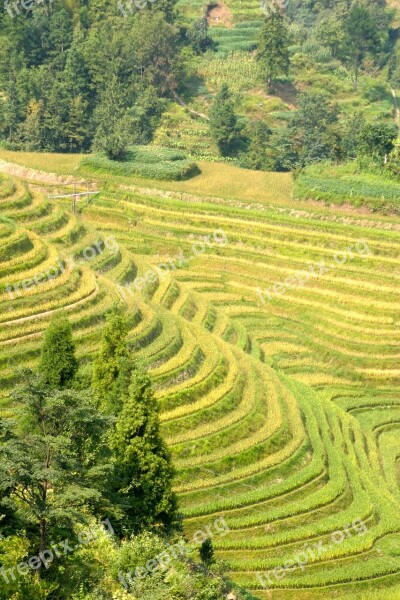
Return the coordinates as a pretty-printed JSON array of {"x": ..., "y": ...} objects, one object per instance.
[
  {"x": 144, "y": 471},
  {"x": 273, "y": 46},
  {"x": 58, "y": 364}
]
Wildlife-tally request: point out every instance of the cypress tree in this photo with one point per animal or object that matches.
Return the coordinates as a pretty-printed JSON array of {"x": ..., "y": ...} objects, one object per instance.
[
  {"x": 143, "y": 469},
  {"x": 113, "y": 365},
  {"x": 223, "y": 122},
  {"x": 207, "y": 553},
  {"x": 58, "y": 363},
  {"x": 361, "y": 36},
  {"x": 256, "y": 156},
  {"x": 114, "y": 126},
  {"x": 273, "y": 47}
]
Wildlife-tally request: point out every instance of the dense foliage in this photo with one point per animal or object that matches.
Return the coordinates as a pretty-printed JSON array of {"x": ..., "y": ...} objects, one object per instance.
[
  {"x": 72, "y": 76},
  {"x": 58, "y": 363},
  {"x": 223, "y": 122},
  {"x": 101, "y": 76},
  {"x": 273, "y": 47},
  {"x": 150, "y": 162},
  {"x": 66, "y": 462}
]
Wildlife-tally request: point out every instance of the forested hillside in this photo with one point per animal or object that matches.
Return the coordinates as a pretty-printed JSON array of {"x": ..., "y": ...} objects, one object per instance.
[
  {"x": 71, "y": 73},
  {"x": 76, "y": 76}
]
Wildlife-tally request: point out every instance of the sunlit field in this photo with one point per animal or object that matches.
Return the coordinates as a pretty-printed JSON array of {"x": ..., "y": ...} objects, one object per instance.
[{"x": 281, "y": 413}]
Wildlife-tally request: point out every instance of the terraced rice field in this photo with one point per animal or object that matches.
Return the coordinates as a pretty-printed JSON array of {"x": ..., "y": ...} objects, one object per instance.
[
  {"x": 282, "y": 416},
  {"x": 243, "y": 37}
]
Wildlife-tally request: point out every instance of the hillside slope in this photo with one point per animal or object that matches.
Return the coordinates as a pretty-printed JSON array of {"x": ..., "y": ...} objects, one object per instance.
[{"x": 280, "y": 406}]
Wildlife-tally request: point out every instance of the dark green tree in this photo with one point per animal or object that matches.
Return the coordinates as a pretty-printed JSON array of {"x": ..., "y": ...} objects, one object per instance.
[
  {"x": 223, "y": 122},
  {"x": 30, "y": 130},
  {"x": 198, "y": 35},
  {"x": 273, "y": 47},
  {"x": 56, "y": 99},
  {"x": 377, "y": 139},
  {"x": 361, "y": 35},
  {"x": 76, "y": 130},
  {"x": 60, "y": 37},
  {"x": 329, "y": 31},
  {"x": 76, "y": 72},
  {"x": 54, "y": 461},
  {"x": 312, "y": 136},
  {"x": 256, "y": 156},
  {"x": 156, "y": 49},
  {"x": 11, "y": 107},
  {"x": 284, "y": 154},
  {"x": 315, "y": 130},
  {"x": 58, "y": 364},
  {"x": 351, "y": 128},
  {"x": 114, "y": 126},
  {"x": 146, "y": 113},
  {"x": 143, "y": 466},
  {"x": 112, "y": 367},
  {"x": 166, "y": 7},
  {"x": 207, "y": 553},
  {"x": 77, "y": 80}
]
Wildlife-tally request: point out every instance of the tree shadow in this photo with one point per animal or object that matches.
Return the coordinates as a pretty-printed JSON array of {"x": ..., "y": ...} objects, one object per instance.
[
  {"x": 192, "y": 87},
  {"x": 286, "y": 91}
]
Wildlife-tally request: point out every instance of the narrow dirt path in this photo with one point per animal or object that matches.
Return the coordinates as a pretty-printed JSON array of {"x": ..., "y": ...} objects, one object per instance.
[
  {"x": 193, "y": 112},
  {"x": 33, "y": 175}
]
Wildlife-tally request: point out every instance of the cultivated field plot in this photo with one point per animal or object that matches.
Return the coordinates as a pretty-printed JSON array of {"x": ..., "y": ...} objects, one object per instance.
[{"x": 281, "y": 407}]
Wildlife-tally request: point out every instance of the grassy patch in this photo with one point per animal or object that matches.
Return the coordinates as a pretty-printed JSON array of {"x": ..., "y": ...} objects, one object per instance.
[
  {"x": 216, "y": 179},
  {"x": 64, "y": 164},
  {"x": 147, "y": 161},
  {"x": 345, "y": 184}
]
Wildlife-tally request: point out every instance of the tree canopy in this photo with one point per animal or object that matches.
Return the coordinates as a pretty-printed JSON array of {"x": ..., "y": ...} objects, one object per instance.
[
  {"x": 58, "y": 363},
  {"x": 273, "y": 47}
]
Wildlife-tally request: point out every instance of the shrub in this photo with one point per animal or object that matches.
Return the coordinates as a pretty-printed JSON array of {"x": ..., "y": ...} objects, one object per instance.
[{"x": 146, "y": 161}]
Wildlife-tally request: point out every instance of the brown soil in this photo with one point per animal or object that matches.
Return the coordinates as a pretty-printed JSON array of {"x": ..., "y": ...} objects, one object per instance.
[{"x": 220, "y": 15}]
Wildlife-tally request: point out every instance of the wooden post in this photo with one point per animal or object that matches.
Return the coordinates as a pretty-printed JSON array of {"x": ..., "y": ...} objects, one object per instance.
[{"x": 76, "y": 195}]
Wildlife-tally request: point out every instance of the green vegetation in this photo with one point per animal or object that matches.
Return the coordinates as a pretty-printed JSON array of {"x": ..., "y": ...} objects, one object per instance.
[
  {"x": 112, "y": 367},
  {"x": 211, "y": 399},
  {"x": 58, "y": 363},
  {"x": 147, "y": 161},
  {"x": 273, "y": 47},
  {"x": 53, "y": 464},
  {"x": 64, "y": 461},
  {"x": 348, "y": 183},
  {"x": 171, "y": 92},
  {"x": 281, "y": 417},
  {"x": 223, "y": 122},
  {"x": 143, "y": 469}
]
